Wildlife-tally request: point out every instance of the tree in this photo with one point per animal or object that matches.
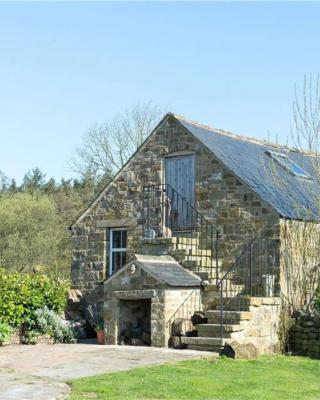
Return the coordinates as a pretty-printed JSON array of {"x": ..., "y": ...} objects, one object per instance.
[
  {"x": 301, "y": 239},
  {"x": 107, "y": 147},
  {"x": 305, "y": 132},
  {"x": 33, "y": 180},
  {"x": 32, "y": 234},
  {"x": 3, "y": 182},
  {"x": 49, "y": 187},
  {"x": 13, "y": 188}
]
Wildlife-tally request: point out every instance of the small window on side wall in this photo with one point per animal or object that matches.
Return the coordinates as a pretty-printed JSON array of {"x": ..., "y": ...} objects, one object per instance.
[{"x": 117, "y": 250}]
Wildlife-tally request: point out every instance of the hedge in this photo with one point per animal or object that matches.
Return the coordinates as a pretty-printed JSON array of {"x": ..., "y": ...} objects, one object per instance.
[{"x": 22, "y": 294}]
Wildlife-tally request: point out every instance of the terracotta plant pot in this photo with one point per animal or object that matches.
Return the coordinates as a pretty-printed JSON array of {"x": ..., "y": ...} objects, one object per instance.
[{"x": 100, "y": 336}]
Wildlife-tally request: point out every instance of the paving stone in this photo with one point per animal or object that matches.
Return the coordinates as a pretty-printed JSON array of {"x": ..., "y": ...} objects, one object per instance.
[{"x": 39, "y": 372}]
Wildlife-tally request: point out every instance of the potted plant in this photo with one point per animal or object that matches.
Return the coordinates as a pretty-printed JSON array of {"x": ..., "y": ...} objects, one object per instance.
[
  {"x": 96, "y": 323},
  {"x": 99, "y": 328}
]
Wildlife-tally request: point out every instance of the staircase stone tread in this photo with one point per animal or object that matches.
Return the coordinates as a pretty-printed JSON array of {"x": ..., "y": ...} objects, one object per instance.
[
  {"x": 203, "y": 347},
  {"x": 243, "y": 315},
  {"x": 211, "y": 341},
  {"x": 214, "y": 327}
]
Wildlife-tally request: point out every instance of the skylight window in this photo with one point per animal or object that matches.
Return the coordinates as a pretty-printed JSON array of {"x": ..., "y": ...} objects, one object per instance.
[{"x": 288, "y": 164}]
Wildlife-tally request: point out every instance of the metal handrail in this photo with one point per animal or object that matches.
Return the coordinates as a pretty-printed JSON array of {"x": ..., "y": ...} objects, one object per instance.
[
  {"x": 255, "y": 273},
  {"x": 236, "y": 261},
  {"x": 181, "y": 305},
  {"x": 165, "y": 211},
  {"x": 184, "y": 304},
  {"x": 166, "y": 186}
]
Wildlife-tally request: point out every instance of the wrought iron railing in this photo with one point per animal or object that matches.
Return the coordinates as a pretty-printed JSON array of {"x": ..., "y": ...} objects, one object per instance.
[
  {"x": 186, "y": 309},
  {"x": 255, "y": 273},
  {"x": 166, "y": 213}
]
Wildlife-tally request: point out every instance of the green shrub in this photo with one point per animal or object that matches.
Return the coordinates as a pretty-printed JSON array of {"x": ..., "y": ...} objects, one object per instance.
[
  {"x": 6, "y": 333},
  {"x": 47, "y": 322},
  {"x": 23, "y": 294}
]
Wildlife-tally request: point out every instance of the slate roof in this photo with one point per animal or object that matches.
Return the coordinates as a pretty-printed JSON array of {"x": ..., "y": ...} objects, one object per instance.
[
  {"x": 292, "y": 197},
  {"x": 166, "y": 269}
]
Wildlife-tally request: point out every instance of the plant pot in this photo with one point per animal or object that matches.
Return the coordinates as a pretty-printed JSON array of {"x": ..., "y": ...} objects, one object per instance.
[{"x": 100, "y": 336}]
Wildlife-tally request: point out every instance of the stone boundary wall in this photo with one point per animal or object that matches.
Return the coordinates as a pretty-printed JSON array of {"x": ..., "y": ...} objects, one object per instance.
[{"x": 305, "y": 337}]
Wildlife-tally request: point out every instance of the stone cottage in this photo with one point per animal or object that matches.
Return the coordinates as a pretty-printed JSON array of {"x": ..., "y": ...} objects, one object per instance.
[{"x": 199, "y": 222}]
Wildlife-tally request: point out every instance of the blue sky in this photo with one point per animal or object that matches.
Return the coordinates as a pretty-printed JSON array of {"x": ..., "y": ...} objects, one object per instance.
[{"x": 64, "y": 66}]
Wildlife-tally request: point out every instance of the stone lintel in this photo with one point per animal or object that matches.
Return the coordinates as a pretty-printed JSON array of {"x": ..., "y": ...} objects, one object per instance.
[
  {"x": 134, "y": 294},
  {"x": 115, "y": 223}
]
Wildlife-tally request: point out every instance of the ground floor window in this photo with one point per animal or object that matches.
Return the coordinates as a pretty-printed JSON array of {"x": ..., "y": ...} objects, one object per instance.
[{"x": 118, "y": 249}]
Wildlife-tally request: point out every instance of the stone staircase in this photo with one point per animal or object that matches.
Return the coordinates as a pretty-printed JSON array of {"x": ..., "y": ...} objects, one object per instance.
[
  {"x": 189, "y": 249},
  {"x": 252, "y": 275},
  {"x": 246, "y": 319},
  {"x": 234, "y": 323},
  {"x": 191, "y": 252}
]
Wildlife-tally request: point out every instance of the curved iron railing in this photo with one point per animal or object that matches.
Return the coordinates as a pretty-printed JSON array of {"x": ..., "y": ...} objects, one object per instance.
[
  {"x": 166, "y": 213},
  {"x": 186, "y": 309},
  {"x": 255, "y": 273}
]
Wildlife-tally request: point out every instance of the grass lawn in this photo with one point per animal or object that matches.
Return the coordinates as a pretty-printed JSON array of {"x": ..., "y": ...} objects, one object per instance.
[{"x": 267, "y": 378}]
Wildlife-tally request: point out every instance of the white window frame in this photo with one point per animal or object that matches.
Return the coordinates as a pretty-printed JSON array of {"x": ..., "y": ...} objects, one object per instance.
[{"x": 112, "y": 249}]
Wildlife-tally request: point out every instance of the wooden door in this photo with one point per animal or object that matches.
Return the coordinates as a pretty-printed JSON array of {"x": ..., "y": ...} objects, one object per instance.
[{"x": 180, "y": 176}]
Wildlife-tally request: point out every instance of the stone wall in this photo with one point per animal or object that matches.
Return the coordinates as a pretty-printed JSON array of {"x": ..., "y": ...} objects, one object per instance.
[
  {"x": 305, "y": 336},
  {"x": 299, "y": 261},
  {"x": 220, "y": 196}
]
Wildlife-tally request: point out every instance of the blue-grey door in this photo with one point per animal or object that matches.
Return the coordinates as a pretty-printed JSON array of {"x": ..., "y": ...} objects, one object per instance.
[{"x": 180, "y": 178}]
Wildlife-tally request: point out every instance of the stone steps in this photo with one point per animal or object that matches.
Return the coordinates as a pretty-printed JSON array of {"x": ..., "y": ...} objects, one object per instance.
[
  {"x": 242, "y": 303},
  {"x": 236, "y": 289},
  {"x": 237, "y": 303},
  {"x": 209, "y": 334},
  {"x": 214, "y": 330},
  {"x": 195, "y": 263},
  {"x": 203, "y": 343},
  {"x": 186, "y": 234},
  {"x": 202, "y": 347},
  {"x": 230, "y": 317},
  {"x": 201, "y": 256}
]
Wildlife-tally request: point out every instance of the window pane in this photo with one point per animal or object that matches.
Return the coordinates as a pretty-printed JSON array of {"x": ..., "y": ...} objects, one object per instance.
[
  {"x": 116, "y": 239},
  {"x": 113, "y": 263},
  {"x": 119, "y": 259},
  {"x": 124, "y": 239},
  {"x": 288, "y": 164},
  {"x": 124, "y": 258},
  {"x": 116, "y": 261}
]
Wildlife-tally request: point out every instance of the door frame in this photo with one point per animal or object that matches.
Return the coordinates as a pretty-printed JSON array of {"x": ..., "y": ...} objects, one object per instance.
[{"x": 181, "y": 154}]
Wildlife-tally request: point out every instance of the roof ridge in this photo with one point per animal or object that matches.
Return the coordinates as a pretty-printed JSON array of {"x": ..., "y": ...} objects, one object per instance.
[{"x": 260, "y": 142}]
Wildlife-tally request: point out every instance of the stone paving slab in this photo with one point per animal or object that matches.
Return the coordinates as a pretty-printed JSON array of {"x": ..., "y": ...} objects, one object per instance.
[{"x": 39, "y": 372}]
